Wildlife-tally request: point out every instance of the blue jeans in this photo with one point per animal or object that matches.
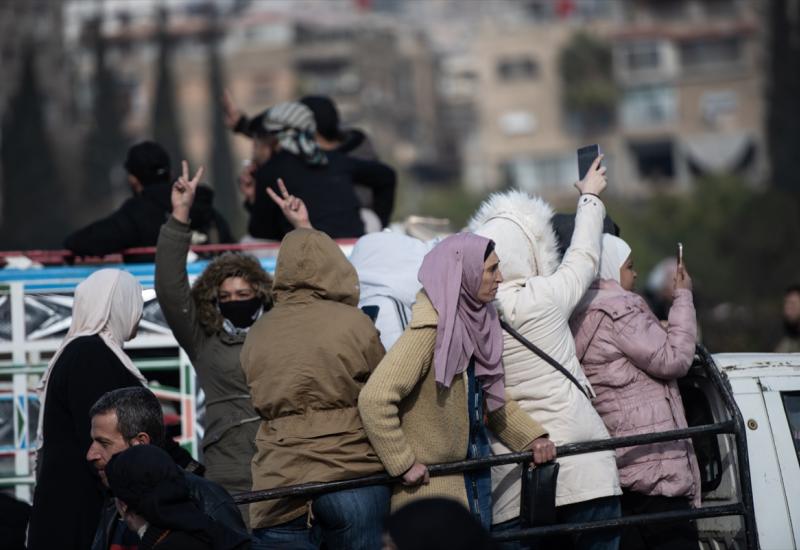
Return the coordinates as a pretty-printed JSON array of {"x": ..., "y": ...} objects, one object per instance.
[
  {"x": 589, "y": 510},
  {"x": 344, "y": 520}
]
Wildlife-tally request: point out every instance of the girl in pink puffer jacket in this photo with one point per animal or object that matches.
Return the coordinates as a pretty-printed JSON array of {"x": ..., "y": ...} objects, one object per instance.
[{"x": 633, "y": 364}]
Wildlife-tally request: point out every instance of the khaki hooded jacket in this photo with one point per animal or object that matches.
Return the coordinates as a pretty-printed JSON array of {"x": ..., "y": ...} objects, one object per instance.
[{"x": 306, "y": 361}]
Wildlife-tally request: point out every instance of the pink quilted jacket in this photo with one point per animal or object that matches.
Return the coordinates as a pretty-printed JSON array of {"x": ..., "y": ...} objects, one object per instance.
[{"x": 633, "y": 363}]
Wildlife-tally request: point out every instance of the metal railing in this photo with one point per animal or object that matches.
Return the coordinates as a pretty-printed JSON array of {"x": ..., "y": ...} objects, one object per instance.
[{"x": 733, "y": 426}]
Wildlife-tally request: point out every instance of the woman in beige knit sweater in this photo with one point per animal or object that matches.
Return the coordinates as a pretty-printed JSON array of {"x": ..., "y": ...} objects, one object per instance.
[{"x": 425, "y": 401}]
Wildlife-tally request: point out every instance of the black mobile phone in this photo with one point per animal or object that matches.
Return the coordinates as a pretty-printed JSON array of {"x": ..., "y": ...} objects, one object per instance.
[
  {"x": 586, "y": 156},
  {"x": 371, "y": 311}
]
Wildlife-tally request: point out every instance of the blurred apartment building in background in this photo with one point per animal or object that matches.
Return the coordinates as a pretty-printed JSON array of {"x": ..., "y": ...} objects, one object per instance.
[
  {"x": 464, "y": 93},
  {"x": 689, "y": 96}
]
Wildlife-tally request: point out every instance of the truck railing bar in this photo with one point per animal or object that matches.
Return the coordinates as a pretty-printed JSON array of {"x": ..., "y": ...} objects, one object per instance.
[
  {"x": 317, "y": 488},
  {"x": 61, "y": 256},
  {"x": 742, "y": 458},
  {"x": 660, "y": 517}
]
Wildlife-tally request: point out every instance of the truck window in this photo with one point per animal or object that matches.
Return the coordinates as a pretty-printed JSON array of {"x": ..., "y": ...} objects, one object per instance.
[{"x": 791, "y": 403}]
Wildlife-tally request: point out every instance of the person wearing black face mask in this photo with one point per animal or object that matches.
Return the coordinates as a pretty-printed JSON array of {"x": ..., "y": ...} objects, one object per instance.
[
  {"x": 210, "y": 321},
  {"x": 242, "y": 313}
]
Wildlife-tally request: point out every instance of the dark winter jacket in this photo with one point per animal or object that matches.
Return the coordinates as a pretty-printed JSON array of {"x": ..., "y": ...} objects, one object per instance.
[
  {"x": 231, "y": 421},
  {"x": 327, "y": 191},
  {"x": 68, "y": 495},
  {"x": 209, "y": 496},
  {"x": 137, "y": 223}
]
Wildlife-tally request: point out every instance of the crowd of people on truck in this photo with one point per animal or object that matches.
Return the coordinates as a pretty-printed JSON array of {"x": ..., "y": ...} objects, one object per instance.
[{"x": 407, "y": 354}]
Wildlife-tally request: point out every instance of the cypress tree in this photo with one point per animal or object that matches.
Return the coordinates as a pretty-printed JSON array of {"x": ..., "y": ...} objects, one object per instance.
[
  {"x": 223, "y": 170},
  {"x": 166, "y": 126},
  {"x": 33, "y": 212},
  {"x": 105, "y": 143}
]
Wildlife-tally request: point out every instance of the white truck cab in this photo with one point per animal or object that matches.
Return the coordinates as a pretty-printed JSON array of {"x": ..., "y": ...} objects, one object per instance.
[{"x": 766, "y": 388}]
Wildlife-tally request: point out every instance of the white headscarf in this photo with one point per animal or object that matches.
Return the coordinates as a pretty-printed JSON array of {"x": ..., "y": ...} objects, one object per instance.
[
  {"x": 108, "y": 303},
  {"x": 615, "y": 252}
]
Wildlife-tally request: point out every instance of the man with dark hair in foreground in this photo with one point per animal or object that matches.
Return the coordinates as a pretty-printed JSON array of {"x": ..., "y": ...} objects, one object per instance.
[{"x": 132, "y": 416}]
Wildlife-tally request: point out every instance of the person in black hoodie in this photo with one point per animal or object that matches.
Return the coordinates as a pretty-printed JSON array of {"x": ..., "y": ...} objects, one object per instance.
[
  {"x": 375, "y": 193},
  {"x": 348, "y": 154},
  {"x": 138, "y": 221}
]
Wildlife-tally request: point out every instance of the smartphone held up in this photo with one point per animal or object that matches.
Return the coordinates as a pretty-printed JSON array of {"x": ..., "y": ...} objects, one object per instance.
[{"x": 586, "y": 156}]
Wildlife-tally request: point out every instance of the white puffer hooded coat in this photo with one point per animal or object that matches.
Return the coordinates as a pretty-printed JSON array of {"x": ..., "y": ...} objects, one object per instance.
[{"x": 537, "y": 298}]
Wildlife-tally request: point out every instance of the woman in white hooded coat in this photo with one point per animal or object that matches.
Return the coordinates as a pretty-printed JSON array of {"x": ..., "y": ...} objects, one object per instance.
[{"x": 537, "y": 299}]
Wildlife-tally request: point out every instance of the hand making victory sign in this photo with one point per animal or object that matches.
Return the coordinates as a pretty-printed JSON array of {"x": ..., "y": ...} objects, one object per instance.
[
  {"x": 293, "y": 208},
  {"x": 183, "y": 193}
]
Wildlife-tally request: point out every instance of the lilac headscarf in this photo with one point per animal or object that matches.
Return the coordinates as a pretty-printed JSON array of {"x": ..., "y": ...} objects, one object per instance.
[{"x": 451, "y": 275}]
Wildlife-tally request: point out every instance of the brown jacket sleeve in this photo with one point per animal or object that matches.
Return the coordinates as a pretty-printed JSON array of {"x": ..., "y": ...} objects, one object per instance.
[{"x": 514, "y": 427}]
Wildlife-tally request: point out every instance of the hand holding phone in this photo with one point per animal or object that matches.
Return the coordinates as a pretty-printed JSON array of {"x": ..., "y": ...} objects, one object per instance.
[
  {"x": 682, "y": 279},
  {"x": 594, "y": 181},
  {"x": 586, "y": 157}
]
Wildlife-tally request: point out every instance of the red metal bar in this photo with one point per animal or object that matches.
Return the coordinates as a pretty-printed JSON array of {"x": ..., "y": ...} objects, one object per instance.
[{"x": 57, "y": 257}]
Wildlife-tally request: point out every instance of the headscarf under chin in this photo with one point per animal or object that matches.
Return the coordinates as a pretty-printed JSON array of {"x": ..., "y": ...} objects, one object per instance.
[
  {"x": 614, "y": 253},
  {"x": 109, "y": 304},
  {"x": 451, "y": 275}
]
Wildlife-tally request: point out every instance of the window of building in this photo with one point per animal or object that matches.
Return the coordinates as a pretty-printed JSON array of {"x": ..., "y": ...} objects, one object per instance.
[
  {"x": 648, "y": 105},
  {"x": 717, "y": 104},
  {"x": 655, "y": 160},
  {"x": 720, "y": 8},
  {"x": 541, "y": 174},
  {"x": 791, "y": 403},
  {"x": 517, "y": 68},
  {"x": 641, "y": 55},
  {"x": 660, "y": 10},
  {"x": 518, "y": 123},
  {"x": 703, "y": 53}
]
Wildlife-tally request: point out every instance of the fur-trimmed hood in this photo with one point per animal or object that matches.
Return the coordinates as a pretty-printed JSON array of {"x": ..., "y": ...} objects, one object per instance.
[
  {"x": 229, "y": 264},
  {"x": 520, "y": 226}
]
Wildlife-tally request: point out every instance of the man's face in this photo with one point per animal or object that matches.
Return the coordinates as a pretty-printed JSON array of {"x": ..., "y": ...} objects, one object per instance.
[{"x": 106, "y": 442}]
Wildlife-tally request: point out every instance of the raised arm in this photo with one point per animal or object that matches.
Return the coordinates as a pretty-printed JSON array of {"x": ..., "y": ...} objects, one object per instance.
[
  {"x": 665, "y": 354},
  {"x": 171, "y": 280},
  {"x": 292, "y": 207},
  {"x": 235, "y": 119},
  {"x": 581, "y": 261},
  {"x": 109, "y": 235}
]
